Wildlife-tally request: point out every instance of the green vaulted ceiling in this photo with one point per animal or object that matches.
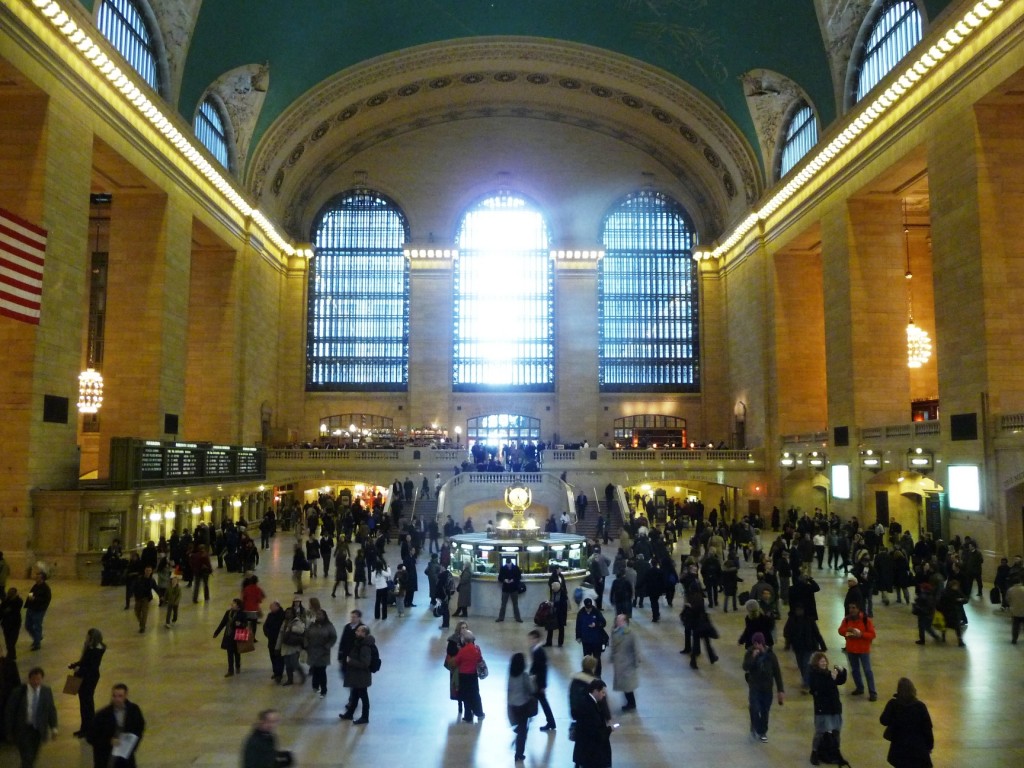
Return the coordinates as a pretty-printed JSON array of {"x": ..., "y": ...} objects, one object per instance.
[
  {"x": 707, "y": 43},
  {"x": 801, "y": 47}
]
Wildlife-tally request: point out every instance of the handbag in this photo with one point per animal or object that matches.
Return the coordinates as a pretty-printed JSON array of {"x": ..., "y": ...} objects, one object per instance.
[
  {"x": 481, "y": 669},
  {"x": 241, "y": 635},
  {"x": 532, "y": 707},
  {"x": 72, "y": 684},
  {"x": 245, "y": 646}
]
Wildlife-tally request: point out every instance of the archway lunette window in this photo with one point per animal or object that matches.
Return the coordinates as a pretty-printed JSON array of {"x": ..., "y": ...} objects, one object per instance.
[
  {"x": 123, "y": 24},
  {"x": 503, "y": 312},
  {"x": 497, "y": 429},
  {"x": 647, "y": 298},
  {"x": 647, "y": 430},
  {"x": 896, "y": 29},
  {"x": 209, "y": 128},
  {"x": 358, "y": 313},
  {"x": 801, "y": 136}
]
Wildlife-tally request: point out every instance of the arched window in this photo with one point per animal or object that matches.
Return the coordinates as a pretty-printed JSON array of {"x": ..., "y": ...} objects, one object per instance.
[
  {"x": 647, "y": 298},
  {"x": 358, "y": 317},
  {"x": 209, "y": 128},
  {"x": 504, "y": 333},
  {"x": 122, "y": 22},
  {"x": 497, "y": 429},
  {"x": 896, "y": 27},
  {"x": 801, "y": 136}
]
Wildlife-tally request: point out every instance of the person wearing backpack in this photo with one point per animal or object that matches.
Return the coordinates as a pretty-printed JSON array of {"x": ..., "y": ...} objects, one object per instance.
[
  {"x": 824, "y": 682},
  {"x": 291, "y": 641},
  {"x": 362, "y": 661}
]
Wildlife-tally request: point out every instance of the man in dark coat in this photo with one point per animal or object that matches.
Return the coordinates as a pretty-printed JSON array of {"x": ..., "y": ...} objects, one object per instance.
[
  {"x": 348, "y": 638},
  {"x": 29, "y": 731},
  {"x": 539, "y": 672},
  {"x": 118, "y": 726},
  {"x": 593, "y": 746},
  {"x": 359, "y": 675},
  {"x": 260, "y": 750}
]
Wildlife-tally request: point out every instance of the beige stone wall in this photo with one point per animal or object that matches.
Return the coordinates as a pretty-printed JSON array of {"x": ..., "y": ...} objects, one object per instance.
[
  {"x": 801, "y": 389},
  {"x": 747, "y": 341},
  {"x": 212, "y": 351}
]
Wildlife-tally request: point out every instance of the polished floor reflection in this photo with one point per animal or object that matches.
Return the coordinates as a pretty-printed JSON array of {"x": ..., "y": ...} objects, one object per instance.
[{"x": 196, "y": 717}]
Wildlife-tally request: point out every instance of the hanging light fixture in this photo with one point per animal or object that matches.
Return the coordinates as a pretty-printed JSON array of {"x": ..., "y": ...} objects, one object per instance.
[
  {"x": 919, "y": 343},
  {"x": 90, "y": 391},
  {"x": 90, "y": 381}
]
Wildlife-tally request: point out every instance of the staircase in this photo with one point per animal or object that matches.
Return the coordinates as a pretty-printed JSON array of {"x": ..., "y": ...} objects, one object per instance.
[
  {"x": 588, "y": 525},
  {"x": 424, "y": 509}
]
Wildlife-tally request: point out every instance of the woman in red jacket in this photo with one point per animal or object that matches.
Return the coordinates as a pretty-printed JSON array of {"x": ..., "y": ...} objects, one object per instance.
[
  {"x": 467, "y": 662},
  {"x": 859, "y": 632}
]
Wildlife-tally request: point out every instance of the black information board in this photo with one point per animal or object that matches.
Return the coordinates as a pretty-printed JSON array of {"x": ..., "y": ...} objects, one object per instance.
[
  {"x": 135, "y": 463},
  {"x": 151, "y": 460},
  {"x": 251, "y": 462},
  {"x": 219, "y": 461}
]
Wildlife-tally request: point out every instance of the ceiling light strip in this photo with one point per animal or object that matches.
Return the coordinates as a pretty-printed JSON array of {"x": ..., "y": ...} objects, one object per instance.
[
  {"x": 912, "y": 76},
  {"x": 95, "y": 57}
]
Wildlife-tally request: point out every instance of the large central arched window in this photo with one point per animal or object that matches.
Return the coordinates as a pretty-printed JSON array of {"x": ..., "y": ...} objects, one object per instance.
[
  {"x": 358, "y": 319},
  {"x": 647, "y": 286},
  {"x": 504, "y": 335}
]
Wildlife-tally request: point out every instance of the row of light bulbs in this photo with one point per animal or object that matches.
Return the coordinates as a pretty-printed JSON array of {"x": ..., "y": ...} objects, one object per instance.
[
  {"x": 94, "y": 55},
  {"x": 947, "y": 44},
  {"x": 453, "y": 253},
  {"x": 911, "y": 77}
]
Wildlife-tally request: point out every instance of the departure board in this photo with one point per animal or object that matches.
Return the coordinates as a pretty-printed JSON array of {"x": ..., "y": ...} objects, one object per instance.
[
  {"x": 219, "y": 461},
  {"x": 135, "y": 463},
  {"x": 251, "y": 462},
  {"x": 151, "y": 460}
]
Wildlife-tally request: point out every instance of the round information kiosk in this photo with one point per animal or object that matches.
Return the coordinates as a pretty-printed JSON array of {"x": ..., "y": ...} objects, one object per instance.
[{"x": 534, "y": 551}]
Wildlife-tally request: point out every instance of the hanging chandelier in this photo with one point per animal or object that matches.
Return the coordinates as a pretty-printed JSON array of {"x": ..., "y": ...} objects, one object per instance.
[
  {"x": 919, "y": 343},
  {"x": 90, "y": 391}
]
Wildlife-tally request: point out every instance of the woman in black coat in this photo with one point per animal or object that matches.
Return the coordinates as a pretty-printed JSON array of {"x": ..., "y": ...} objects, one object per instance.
[
  {"x": 234, "y": 619},
  {"x": 908, "y": 728},
  {"x": 823, "y": 682},
  {"x": 88, "y": 669}
]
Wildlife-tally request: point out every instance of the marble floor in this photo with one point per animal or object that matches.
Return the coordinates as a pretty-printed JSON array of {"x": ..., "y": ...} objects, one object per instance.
[{"x": 198, "y": 718}]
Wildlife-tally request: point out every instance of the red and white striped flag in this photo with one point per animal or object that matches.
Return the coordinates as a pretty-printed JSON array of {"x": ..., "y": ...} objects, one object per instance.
[{"x": 22, "y": 252}]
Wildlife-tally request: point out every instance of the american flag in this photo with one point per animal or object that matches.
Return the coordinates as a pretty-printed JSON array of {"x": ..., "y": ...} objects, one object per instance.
[{"x": 22, "y": 251}]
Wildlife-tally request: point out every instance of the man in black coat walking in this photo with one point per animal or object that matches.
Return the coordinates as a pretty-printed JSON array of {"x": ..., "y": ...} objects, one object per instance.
[
  {"x": 593, "y": 747},
  {"x": 117, "y": 727},
  {"x": 539, "y": 672}
]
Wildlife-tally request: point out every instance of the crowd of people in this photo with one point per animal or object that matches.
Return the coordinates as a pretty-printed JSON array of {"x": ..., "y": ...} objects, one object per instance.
[{"x": 698, "y": 562}]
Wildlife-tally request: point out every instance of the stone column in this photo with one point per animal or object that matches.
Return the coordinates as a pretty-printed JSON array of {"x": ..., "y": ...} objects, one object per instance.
[
  {"x": 430, "y": 344},
  {"x": 45, "y": 172},
  {"x": 576, "y": 355},
  {"x": 147, "y": 315}
]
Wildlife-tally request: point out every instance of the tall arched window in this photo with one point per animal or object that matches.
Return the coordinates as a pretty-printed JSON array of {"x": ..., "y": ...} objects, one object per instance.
[
  {"x": 896, "y": 27},
  {"x": 647, "y": 298},
  {"x": 123, "y": 23},
  {"x": 358, "y": 318},
  {"x": 210, "y": 130},
  {"x": 801, "y": 136},
  {"x": 504, "y": 333}
]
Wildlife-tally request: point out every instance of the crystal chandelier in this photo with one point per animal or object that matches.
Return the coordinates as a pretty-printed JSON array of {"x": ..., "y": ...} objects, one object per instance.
[
  {"x": 90, "y": 391},
  {"x": 919, "y": 343}
]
